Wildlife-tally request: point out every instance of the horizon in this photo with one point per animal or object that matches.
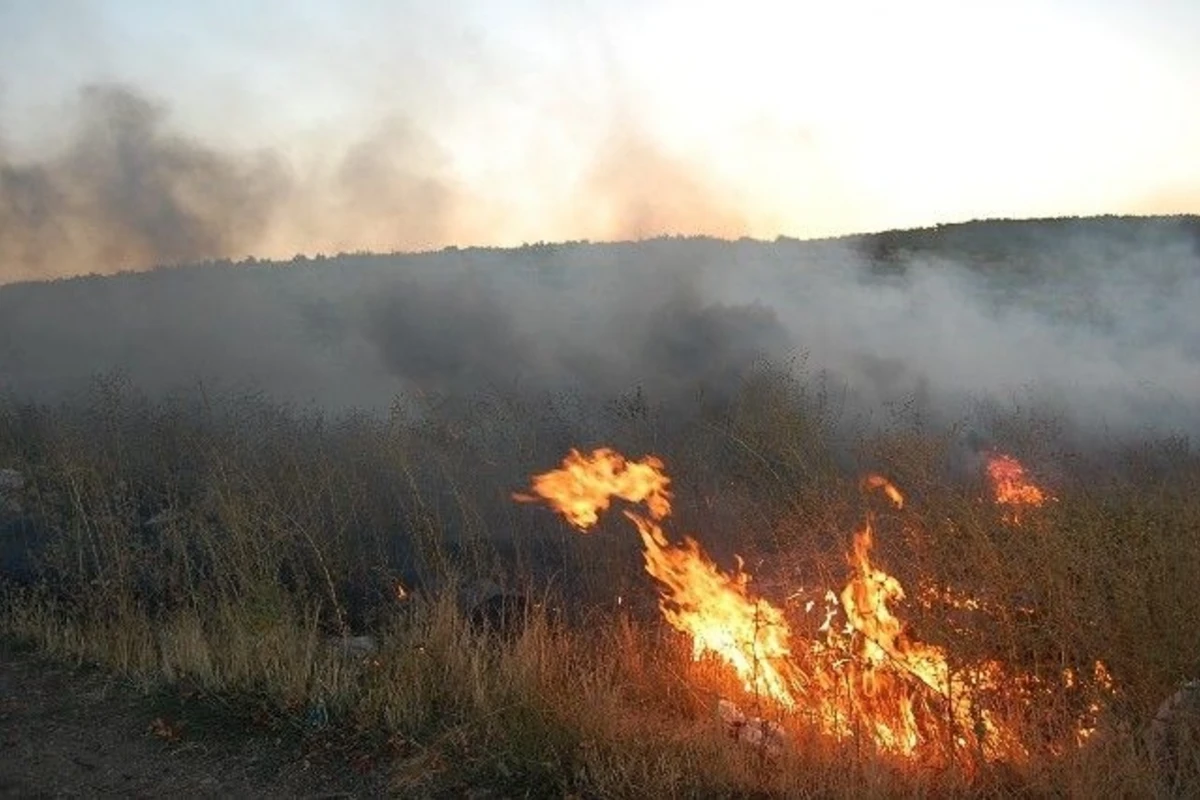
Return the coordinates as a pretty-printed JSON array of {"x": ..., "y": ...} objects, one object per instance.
[
  {"x": 288, "y": 258},
  {"x": 143, "y": 135},
  {"x": 1091, "y": 320}
]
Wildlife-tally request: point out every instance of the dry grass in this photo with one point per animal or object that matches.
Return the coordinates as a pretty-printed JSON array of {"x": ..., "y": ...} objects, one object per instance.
[{"x": 273, "y": 530}]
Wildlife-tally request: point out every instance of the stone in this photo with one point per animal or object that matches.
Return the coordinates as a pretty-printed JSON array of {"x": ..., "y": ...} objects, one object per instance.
[
  {"x": 354, "y": 646},
  {"x": 12, "y": 485},
  {"x": 768, "y": 737},
  {"x": 1173, "y": 740}
]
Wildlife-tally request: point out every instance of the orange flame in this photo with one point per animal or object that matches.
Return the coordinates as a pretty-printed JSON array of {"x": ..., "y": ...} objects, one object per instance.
[
  {"x": 585, "y": 485},
  {"x": 889, "y": 658},
  {"x": 880, "y": 482},
  {"x": 1009, "y": 483},
  {"x": 698, "y": 598},
  {"x": 716, "y": 610},
  {"x": 869, "y": 674}
]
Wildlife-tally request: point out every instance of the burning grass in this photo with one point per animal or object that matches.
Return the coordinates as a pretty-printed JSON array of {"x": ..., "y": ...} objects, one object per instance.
[
  {"x": 869, "y": 675},
  {"x": 891, "y": 634}
]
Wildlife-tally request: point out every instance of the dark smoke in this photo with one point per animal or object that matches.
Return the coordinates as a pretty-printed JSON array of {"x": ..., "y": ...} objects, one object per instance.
[
  {"x": 447, "y": 336},
  {"x": 128, "y": 194},
  {"x": 128, "y": 191},
  {"x": 1093, "y": 320},
  {"x": 458, "y": 334},
  {"x": 1090, "y": 320}
]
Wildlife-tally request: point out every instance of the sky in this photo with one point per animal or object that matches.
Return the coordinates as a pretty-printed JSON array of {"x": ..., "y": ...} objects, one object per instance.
[{"x": 313, "y": 126}]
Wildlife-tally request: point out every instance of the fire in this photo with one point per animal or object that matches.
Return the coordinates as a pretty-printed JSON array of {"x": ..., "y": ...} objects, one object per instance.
[
  {"x": 717, "y": 611},
  {"x": 880, "y": 482},
  {"x": 866, "y": 674},
  {"x": 698, "y": 598},
  {"x": 586, "y": 484},
  {"x": 888, "y": 657},
  {"x": 1009, "y": 483}
]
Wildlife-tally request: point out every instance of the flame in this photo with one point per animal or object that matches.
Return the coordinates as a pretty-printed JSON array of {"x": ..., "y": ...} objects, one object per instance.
[
  {"x": 1009, "y": 483},
  {"x": 880, "y": 482},
  {"x": 867, "y": 674},
  {"x": 585, "y": 485},
  {"x": 890, "y": 658},
  {"x": 698, "y": 598},
  {"x": 717, "y": 611},
  {"x": 1088, "y": 721},
  {"x": 930, "y": 596}
]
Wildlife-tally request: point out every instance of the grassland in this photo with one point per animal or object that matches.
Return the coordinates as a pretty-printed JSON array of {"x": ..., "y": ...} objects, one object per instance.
[{"x": 219, "y": 542}]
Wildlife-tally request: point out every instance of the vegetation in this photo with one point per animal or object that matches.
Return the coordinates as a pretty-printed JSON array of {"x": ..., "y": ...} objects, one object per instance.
[{"x": 219, "y": 541}]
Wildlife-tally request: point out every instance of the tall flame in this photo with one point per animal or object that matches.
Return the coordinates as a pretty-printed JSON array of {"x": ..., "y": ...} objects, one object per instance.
[
  {"x": 717, "y": 611},
  {"x": 868, "y": 674},
  {"x": 698, "y": 598}
]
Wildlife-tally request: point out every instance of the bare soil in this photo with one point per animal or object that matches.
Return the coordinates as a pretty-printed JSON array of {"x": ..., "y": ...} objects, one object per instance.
[{"x": 75, "y": 731}]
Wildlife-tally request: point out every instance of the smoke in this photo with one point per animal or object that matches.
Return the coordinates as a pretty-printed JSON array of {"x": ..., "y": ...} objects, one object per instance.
[
  {"x": 356, "y": 330},
  {"x": 393, "y": 190},
  {"x": 1089, "y": 320},
  {"x": 1092, "y": 318},
  {"x": 460, "y": 332},
  {"x": 447, "y": 337},
  {"x": 635, "y": 190},
  {"x": 128, "y": 193}
]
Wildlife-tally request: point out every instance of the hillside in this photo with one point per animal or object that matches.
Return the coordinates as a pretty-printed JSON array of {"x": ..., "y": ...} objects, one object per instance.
[
  {"x": 1093, "y": 313},
  {"x": 888, "y": 516}
]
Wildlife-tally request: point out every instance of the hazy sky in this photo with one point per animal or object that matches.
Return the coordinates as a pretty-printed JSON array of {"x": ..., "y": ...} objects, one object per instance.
[{"x": 568, "y": 119}]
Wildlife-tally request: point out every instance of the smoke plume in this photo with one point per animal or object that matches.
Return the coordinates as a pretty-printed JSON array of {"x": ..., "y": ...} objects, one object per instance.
[
  {"x": 1090, "y": 319},
  {"x": 1093, "y": 318},
  {"x": 128, "y": 193}
]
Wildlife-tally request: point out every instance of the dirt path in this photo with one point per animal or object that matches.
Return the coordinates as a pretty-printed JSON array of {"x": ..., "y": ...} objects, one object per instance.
[{"x": 76, "y": 732}]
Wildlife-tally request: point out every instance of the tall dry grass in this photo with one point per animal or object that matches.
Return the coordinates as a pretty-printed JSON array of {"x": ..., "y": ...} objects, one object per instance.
[{"x": 219, "y": 542}]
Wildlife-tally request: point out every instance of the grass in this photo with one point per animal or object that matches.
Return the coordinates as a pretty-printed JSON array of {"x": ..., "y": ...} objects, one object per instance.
[{"x": 218, "y": 542}]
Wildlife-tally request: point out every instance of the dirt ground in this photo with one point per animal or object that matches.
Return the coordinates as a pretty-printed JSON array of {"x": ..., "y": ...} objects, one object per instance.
[{"x": 68, "y": 731}]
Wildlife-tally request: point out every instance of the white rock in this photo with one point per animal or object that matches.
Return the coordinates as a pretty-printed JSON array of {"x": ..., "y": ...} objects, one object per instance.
[
  {"x": 162, "y": 518},
  {"x": 474, "y": 594},
  {"x": 354, "y": 646},
  {"x": 767, "y": 736},
  {"x": 1174, "y": 739},
  {"x": 11, "y": 485},
  {"x": 11, "y": 480}
]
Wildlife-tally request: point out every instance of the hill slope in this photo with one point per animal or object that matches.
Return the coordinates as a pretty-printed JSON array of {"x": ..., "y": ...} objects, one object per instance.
[{"x": 1093, "y": 314}]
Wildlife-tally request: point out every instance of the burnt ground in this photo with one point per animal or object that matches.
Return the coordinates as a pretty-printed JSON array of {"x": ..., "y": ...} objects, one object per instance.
[{"x": 75, "y": 731}]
